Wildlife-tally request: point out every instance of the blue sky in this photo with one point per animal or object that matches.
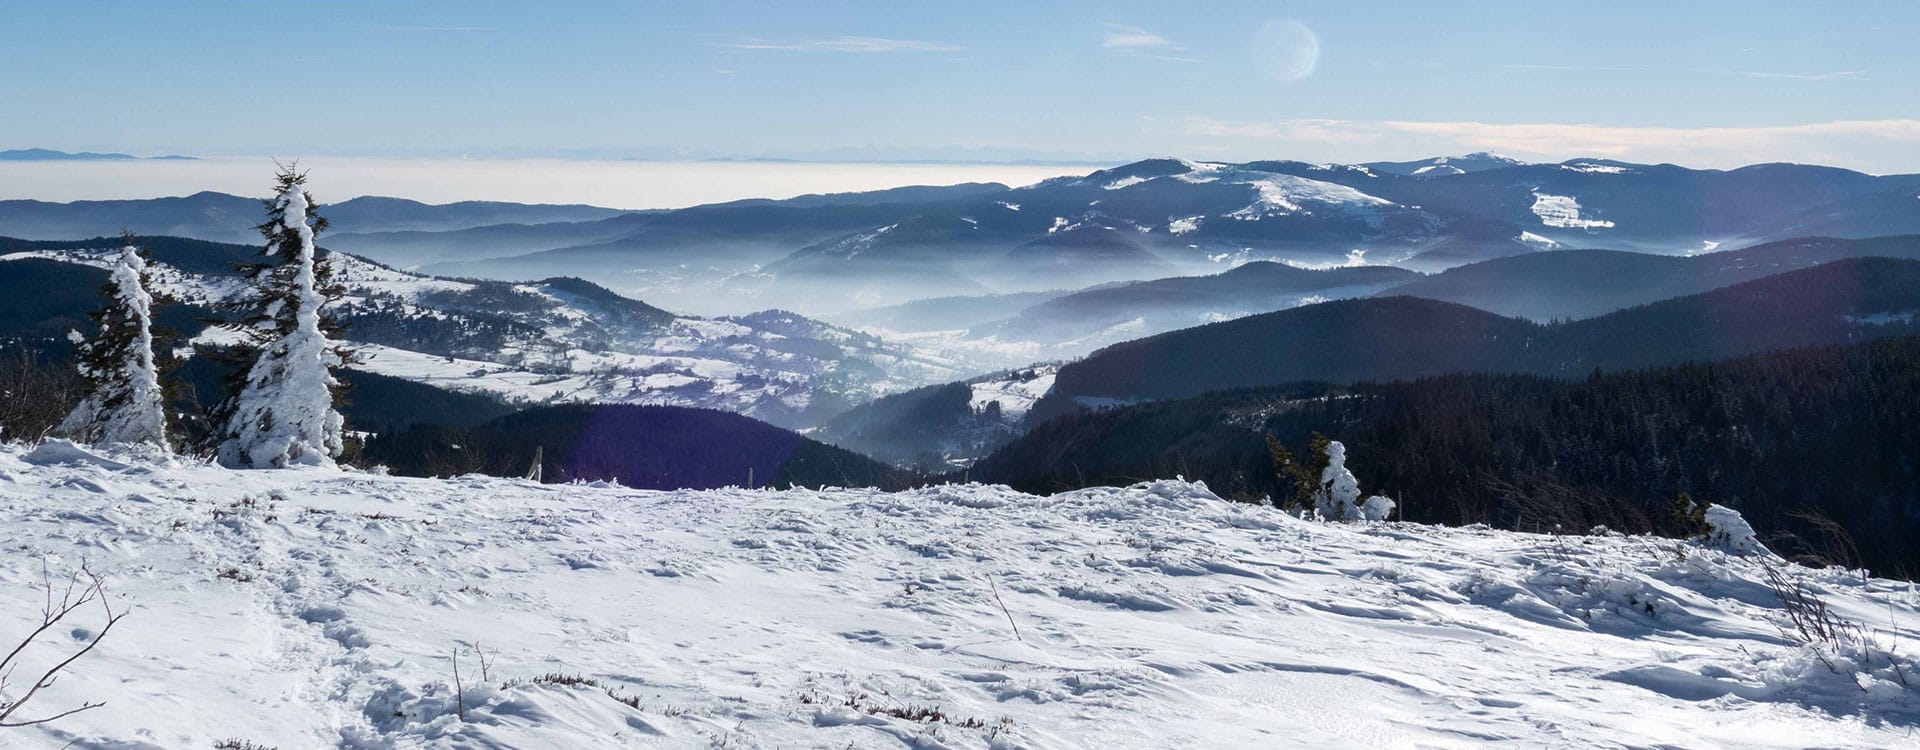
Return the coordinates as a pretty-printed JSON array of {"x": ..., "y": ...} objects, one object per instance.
[{"x": 1700, "y": 83}]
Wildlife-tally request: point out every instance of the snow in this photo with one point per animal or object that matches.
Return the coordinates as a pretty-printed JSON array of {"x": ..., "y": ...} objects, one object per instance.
[
  {"x": 1015, "y": 394},
  {"x": 1355, "y": 258},
  {"x": 313, "y": 607},
  {"x": 1592, "y": 168},
  {"x": 1200, "y": 173},
  {"x": 1563, "y": 212},
  {"x": 1377, "y": 508},
  {"x": 162, "y": 278},
  {"x": 58, "y": 452},
  {"x": 1728, "y": 531},
  {"x": 1282, "y": 194},
  {"x": 1534, "y": 239},
  {"x": 1339, "y": 489}
]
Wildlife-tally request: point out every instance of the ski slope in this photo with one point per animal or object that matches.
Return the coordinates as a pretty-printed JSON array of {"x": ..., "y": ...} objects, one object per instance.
[{"x": 316, "y": 608}]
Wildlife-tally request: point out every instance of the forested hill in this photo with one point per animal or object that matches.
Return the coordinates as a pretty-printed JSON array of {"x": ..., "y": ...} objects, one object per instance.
[
  {"x": 650, "y": 447},
  {"x": 1789, "y": 438},
  {"x": 1562, "y": 284},
  {"x": 1401, "y": 337}
]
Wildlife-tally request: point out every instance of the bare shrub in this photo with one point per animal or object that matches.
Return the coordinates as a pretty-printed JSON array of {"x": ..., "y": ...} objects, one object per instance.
[
  {"x": 1810, "y": 623},
  {"x": 82, "y": 588}
]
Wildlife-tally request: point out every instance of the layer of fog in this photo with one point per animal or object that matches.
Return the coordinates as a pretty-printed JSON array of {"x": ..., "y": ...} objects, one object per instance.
[{"x": 615, "y": 184}]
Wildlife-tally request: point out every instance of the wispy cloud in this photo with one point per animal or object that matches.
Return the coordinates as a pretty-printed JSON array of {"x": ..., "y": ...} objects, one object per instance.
[
  {"x": 1138, "y": 42},
  {"x": 1119, "y": 36},
  {"x": 851, "y": 44},
  {"x": 1861, "y": 144},
  {"x": 1839, "y": 75}
]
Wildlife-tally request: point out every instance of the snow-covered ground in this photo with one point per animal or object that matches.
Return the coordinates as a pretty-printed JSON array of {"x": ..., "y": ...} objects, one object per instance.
[{"x": 319, "y": 608}]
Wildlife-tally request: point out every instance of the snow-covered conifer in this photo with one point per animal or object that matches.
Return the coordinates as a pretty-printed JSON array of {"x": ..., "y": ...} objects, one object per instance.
[
  {"x": 124, "y": 403},
  {"x": 283, "y": 413},
  {"x": 1339, "y": 488},
  {"x": 1338, "y": 497}
]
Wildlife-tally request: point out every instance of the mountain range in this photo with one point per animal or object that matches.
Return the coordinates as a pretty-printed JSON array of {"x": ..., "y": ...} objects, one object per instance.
[
  {"x": 44, "y": 154},
  {"x": 957, "y": 317},
  {"x": 834, "y": 255}
]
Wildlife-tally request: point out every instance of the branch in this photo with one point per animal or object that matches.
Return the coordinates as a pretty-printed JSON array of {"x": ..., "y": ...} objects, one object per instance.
[{"x": 51, "y": 614}]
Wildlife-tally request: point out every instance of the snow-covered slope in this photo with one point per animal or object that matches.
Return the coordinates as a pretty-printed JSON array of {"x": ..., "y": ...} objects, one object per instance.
[
  {"x": 319, "y": 608},
  {"x": 565, "y": 340},
  {"x": 1014, "y": 391}
]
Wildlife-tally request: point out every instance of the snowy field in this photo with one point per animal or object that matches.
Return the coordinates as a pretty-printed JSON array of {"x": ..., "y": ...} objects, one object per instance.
[{"x": 318, "y": 608}]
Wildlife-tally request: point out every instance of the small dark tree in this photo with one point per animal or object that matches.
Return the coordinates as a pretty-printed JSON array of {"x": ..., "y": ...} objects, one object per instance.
[
  {"x": 1689, "y": 518},
  {"x": 1297, "y": 481}
]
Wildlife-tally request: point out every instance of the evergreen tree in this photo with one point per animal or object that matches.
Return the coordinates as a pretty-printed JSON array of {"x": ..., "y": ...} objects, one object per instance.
[
  {"x": 124, "y": 403},
  {"x": 284, "y": 411},
  {"x": 1339, "y": 490}
]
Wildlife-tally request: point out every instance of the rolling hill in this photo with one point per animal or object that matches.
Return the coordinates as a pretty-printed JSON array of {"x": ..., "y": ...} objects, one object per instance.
[
  {"x": 1389, "y": 338},
  {"x": 1585, "y": 283}
]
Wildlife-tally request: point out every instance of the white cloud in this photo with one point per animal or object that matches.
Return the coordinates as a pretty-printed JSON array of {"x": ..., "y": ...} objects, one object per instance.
[
  {"x": 1135, "y": 38},
  {"x": 854, "y": 44},
  {"x": 1134, "y": 41},
  {"x": 1859, "y": 144}
]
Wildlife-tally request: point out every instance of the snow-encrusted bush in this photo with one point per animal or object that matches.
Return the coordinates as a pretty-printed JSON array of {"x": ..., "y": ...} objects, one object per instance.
[
  {"x": 1377, "y": 508},
  {"x": 1339, "y": 488},
  {"x": 124, "y": 403},
  {"x": 1338, "y": 498},
  {"x": 1727, "y": 530}
]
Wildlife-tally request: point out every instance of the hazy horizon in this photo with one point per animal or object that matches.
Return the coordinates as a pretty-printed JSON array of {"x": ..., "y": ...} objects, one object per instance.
[{"x": 632, "y": 185}]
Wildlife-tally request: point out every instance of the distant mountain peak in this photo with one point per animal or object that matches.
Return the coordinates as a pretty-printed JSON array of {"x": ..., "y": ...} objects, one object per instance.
[
  {"x": 1478, "y": 161},
  {"x": 46, "y": 154}
]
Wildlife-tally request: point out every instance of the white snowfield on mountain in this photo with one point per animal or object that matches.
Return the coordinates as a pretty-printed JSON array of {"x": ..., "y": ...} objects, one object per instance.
[
  {"x": 319, "y": 608},
  {"x": 1563, "y": 212},
  {"x": 1015, "y": 394}
]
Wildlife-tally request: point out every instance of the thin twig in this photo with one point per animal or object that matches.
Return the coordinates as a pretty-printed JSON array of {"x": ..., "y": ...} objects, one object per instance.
[
  {"x": 486, "y": 664},
  {"x": 459, "y": 690},
  {"x": 1003, "y": 609}
]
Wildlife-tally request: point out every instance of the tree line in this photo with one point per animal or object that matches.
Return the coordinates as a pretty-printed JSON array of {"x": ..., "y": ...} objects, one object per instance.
[{"x": 1817, "y": 447}]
